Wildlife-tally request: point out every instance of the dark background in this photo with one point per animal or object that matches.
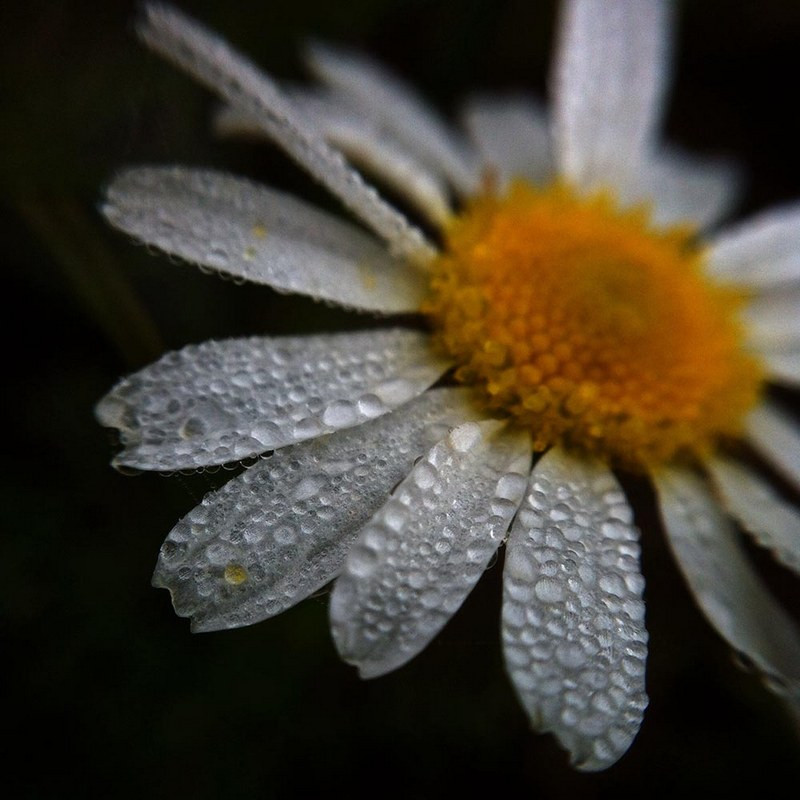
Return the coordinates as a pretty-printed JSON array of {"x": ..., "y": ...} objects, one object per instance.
[{"x": 108, "y": 693}]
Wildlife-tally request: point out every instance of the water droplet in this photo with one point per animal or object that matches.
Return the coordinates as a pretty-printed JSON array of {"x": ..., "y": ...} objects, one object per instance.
[{"x": 549, "y": 590}]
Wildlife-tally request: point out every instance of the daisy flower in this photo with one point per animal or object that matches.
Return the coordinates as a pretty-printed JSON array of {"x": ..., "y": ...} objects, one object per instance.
[{"x": 572, "y": 322}]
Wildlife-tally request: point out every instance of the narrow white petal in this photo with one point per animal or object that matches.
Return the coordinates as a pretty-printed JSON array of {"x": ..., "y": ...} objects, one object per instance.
[
  {"x": 224, "y": 401},
  {"x": 777, "y": 437},
  {"x": 609, "y": 79},
  {"x": 372, "y": 148},
  {"x": 683, "y": 189},
  {"x": 420, "y": 555},
  {"x": 774, "y": 523},
  {"x": 573, "y": 617},
  {"x": 261, "y": 235},
  {"x": 762, "y": 251},
  {"x": 726, "y": 588},
  {"x": 209, "y": 59},
  {"x": 773, "y": 317},
  {"x": 365, "y": 143},
  {"x": 387, "y": 99},
  {"x": 512, "y": 136},
  {"x": 282, "y": 529}
]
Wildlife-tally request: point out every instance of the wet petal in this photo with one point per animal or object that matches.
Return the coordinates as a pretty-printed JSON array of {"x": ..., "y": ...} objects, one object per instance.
[
  {"x": 777, "y": 437},
  {"x": 420, "y": 555},
  {"x": 774, "y": 523},
  {"x": 224, "y": 401},
  {"x": 761, "y": 251},
  {"x": 573, "y": 617},
  {"x": 365, "y": 143},
  {"x": 282, "y": 529},
  {"x": 261, "y": 235},
  {"x": 371, "y": 147},
  {"x": 385, "y": 98},
  {"x": 683, "y": 189},
  {"x": 512, "y": 136},
  {"x": 608, "y": 84},
  {"x": 724, "y": 585},
  {"x": 215, "y": 64}
]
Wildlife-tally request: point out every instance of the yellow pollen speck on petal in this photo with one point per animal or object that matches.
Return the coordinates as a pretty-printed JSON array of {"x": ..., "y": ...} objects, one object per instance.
[
  {"x": 367, "y": 275},
  {"x": 590, "y": 326},
  {"x": 259, "y": 231},
  {"x": 235, "y": 574}
]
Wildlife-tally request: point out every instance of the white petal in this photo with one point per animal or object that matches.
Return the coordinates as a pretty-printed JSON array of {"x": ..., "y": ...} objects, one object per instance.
[
  {"x": 774, "y": 523},
  {"x": 224, "y": 401},
  {"x": 783, "y": 364},
  {"x": 387, "y": 99},
  {"x": 684, "y": 189},
  {"x": 370, "y": 147},
  {"x": 512, "y": 136},
  {"x": 365, "y": 143},
  {"x": 773, "y": 317},
  {"x": 609, "y": 78},
  {"x": 209, "y": 59},
  {"x": 573, "y": 616},
  {"x": 762, "y": 251},
  {"x": 777, "y": 437},
  {"x": 421, "y": 554},
  {"x": 724, "y": 585},
  {"x": 261, "y": 235},
  {"x": 282, "y": 529}
]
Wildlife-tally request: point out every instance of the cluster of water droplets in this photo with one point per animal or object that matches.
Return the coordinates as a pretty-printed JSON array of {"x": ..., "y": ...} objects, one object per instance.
[
  {"x": 421, "y": 554},
  {"x": 282, "y": 529},
  {"x": 224, "y": 401},
  {"x": 573, "y": 615}
]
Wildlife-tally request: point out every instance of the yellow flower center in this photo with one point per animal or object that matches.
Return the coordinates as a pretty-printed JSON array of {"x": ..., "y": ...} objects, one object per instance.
[{"x": 591, "y": 327}]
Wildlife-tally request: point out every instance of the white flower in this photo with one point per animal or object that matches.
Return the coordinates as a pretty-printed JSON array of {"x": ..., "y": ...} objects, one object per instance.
[{"x": 403, "y": 493}]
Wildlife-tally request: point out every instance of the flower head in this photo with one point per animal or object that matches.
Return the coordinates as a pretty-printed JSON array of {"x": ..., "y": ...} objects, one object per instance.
[{"x": 577, "y": 321}]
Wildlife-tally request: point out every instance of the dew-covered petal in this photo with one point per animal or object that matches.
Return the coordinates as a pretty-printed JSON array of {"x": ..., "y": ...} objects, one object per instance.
[
  {"x": 777, "y": 436},
  {"x": 372, "y": 148},
  {"x": 574, "y": 638},
  {"x": 384, "y": 97},
  {"x": 238, "y": 228},
  {"x": 365, "y": 143},
  {"x": 683, "y": 189},
  {"x": 608, "y": 84},
  {"x": 725, "y": 586},
  {"x": 215, "y": 64},
  {"x": 282, "y": 529},
  {"x": 761, "y": 251},
  {"x": 223, "y": 401},
  {"x": 774, "y": 523},
  {"x": 512, "y": 136},
  {"x": 421, "y": 553}
]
